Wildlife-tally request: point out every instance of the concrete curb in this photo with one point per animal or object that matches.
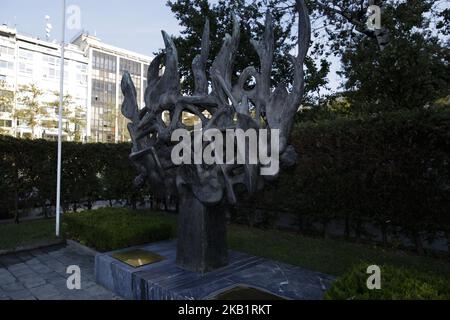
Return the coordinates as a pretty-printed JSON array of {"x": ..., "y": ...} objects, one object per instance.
[
  {"x": 81, "y": 248},
  {"x": 39, "y": 245}
]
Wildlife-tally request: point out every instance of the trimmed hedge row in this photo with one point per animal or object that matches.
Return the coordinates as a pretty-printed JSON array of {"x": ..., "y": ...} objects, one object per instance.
[
  {"x": 391, "y": 169},
  {"x": 396, "y": 284},
  {"x": 90, "y": 172},
  {"x": 111, "y": 228}
]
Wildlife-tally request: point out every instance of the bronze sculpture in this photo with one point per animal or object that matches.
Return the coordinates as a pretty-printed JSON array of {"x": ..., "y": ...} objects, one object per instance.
[{"x": 205, "y": 191}]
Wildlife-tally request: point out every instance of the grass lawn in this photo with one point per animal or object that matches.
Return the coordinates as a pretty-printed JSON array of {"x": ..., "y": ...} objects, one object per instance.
[
  {"x": 26, "y": 233},
  {"x": 326, "y": 255}
]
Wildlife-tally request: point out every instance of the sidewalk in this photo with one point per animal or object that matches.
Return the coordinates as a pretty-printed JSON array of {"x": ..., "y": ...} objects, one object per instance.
[{"x": 41, "y": 274}]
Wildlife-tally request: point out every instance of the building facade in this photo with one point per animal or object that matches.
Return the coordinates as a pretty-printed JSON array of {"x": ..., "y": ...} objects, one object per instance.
[
  {"x": 107, "y": 65},
  {"x": 29, "y": 90}
]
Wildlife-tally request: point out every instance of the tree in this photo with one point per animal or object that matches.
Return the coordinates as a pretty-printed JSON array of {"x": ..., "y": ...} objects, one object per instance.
[
  {"x": 191, "y": 15},
  {"x": 402, "y": 65},
  {"x": 316, "y": 81},
  {"x": 346, "y": 21},
  {"x": 31, "y": 110},
  {"x": 411, "y": 72},
  {"x": 73, "y": 116},
  {"x": 6, "y": 101},
  {"x": 6, "y": 97}
]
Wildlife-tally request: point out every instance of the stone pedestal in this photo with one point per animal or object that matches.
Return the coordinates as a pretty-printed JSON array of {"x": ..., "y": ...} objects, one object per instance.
[
  {"x": 164, "y": 280},
  {"x": 202, "y": 238}
]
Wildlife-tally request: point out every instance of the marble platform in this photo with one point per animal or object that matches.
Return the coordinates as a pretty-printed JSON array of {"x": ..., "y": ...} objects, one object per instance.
[{"x": 166, "y": 281}]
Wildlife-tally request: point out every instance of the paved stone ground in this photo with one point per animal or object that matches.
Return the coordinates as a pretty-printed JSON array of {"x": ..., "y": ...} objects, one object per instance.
[{"x": 41, "y": 274}]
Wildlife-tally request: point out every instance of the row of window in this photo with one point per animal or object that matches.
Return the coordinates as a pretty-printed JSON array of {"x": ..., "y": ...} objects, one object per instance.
[
  {"x": 7, "y": 50},
  {"x": 52, "y": 73},
  {"x": 103, "y": 61},
  {"x": 103, "y": 96},
  {"x": 82, "y": 67},
  {"x": 5, "y": 108},
  {"x": 49, "y": 73},
  {"x": 54, "y": 61},
  {"x": 6, "y": 65},
  {"x": 25, "y": 55},
  {"x": 5, "y": 123},
  {"x": 133, "y": 67},
  {"x": 25, "y": 68}
]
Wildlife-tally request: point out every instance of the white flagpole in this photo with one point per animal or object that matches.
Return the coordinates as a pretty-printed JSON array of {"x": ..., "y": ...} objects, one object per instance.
[{"x": 61, "y": 102}]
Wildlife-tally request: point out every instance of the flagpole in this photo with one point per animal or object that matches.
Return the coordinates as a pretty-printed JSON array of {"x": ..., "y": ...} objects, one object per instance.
[{"x": 61, "y": 102}]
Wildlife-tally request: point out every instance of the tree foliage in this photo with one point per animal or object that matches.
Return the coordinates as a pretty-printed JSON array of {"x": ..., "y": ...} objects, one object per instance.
[
  {"x": 74, "y": 116},
  {"x": 192, "y": 14},
  {"x": 411, "y": 72},
  {"x": 390, "y": 170},
  {"x": 402, "y": 65},
  {"x": 31, "y": 110}
]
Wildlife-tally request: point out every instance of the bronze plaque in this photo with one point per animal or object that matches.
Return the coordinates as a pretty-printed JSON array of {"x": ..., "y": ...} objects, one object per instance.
[
  {"x": 137, "y": 257},
  {"x": 241, "y": 292}
]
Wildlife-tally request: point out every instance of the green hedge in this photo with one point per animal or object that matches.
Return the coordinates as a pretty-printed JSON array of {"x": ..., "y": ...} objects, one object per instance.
[
  {"x": 90, "y": 172},
  {"x": 391, "y": 169},
  {"x": 108, "y": 229},
  {"x": 396, "y": 284}
]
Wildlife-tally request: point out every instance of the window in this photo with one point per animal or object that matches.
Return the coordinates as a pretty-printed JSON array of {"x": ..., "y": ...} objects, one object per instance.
[
  {"x": 52, "y": 61},
  {"x": 50, "y": 137},
  {"x": 7, "y": 50},
  {"x": 5, "y": 123},
  {"x": 133, "y": 67},
  {"x": 103, "y": 96},
  {"x": 25, "y": 68},
  {"x": 25, "y": 55},
  {"x": 82, "y": 67},
  {"x": 6, "y": 64},
  {"x": 50, "y": 124},
  {"x": 6, "y": 100},
  {"x": 51, "y": 73},
  {"x": 104, "y": 62},
  {"x": 82, "y": 78},
  {"x": 5, "y": 107}
]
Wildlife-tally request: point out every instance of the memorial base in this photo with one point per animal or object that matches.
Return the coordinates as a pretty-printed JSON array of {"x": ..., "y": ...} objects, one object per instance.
[{"x": 165, "y": 280}]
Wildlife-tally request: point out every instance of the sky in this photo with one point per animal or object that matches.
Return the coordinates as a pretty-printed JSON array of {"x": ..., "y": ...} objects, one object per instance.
[
  {"x": 130, "y": 24},
  {"x": 134, "y": 24}
]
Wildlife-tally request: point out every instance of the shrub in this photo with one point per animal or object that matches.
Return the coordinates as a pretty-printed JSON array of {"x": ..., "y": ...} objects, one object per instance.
[
  {"x": 90, "y": 172},
  {"x": 396, "y": 284},
  {"x": 387, "y": 167},
  {"x": 108, "y": 229}
]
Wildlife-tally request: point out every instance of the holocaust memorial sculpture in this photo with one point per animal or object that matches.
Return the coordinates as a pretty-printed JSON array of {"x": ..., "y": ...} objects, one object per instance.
[{"x": 205, "y": 189}]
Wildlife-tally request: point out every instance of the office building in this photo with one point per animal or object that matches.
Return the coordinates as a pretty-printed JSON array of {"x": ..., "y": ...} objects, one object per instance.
[{"x": 29, "y": 91}]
